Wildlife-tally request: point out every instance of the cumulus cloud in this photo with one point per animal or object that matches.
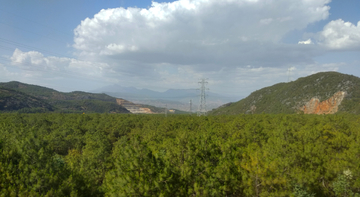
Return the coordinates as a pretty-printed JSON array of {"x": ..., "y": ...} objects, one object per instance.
[
  {"x": 202, "y": 33},
  {"x": 237, "y": 44},
  {"x": 309, "y": 41},
  {"x": 5, "y": 73},
  {"x": 340, "y": 35},
  {"x": 33, "y": 60},
  {"x": 38, "y": 63},
  {"x": 8, "y": 73}
]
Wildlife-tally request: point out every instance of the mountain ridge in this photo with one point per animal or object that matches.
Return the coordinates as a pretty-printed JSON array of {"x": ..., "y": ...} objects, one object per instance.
[
  {"x": 67, "y": 102},
  {"x": 291, "y": 97},
  {"x": 21, "y": 95},
  {"x": 12, "y": 100}
]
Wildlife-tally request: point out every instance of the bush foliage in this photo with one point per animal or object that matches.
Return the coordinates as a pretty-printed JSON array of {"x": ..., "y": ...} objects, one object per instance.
[{"x": 150, "y": 155}]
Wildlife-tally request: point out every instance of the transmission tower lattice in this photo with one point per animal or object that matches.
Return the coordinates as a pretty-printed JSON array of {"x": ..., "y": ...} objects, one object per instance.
[
  {"x": 289, "y": 74},
  {"x": 202, "y": 104}
]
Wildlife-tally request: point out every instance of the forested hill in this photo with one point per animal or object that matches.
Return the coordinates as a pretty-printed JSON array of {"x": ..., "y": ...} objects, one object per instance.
[
  {"x": 21, "y": 97},
  {"x": 12, "y": 100},
  {"x": 320, "y": 93},
  {"x": 51, "y": 94}
]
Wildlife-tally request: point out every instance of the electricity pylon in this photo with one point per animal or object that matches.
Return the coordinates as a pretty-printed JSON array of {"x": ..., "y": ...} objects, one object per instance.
[
  {"x": 289, "y": 74},
  {"x": 202, "y": 104},
  {"x": 190, "y": 106}
]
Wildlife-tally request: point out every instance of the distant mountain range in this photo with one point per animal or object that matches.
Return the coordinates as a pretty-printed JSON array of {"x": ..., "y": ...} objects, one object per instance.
[
  {"x": 21, "y": 97},
  {"x": 172, "y": 98},
  {"x": 321, "y": 93}
]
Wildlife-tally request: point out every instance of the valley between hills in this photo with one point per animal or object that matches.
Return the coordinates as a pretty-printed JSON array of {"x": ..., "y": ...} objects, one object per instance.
[{"x": 320, "y": 93}]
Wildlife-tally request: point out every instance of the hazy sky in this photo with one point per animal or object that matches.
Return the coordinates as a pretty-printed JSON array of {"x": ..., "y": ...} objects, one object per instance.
[{"x": 239, "y": 45}]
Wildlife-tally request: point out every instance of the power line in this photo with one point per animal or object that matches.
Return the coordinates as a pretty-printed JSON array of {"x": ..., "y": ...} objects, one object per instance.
[{"x": 29, "y": 47}]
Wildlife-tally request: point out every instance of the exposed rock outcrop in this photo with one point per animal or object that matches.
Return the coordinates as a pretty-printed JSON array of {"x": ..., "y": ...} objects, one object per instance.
[
  {"x": 132, "y": 107},
  {"x": 251, "y": 110},
  {"x": 329, "y": 106}
]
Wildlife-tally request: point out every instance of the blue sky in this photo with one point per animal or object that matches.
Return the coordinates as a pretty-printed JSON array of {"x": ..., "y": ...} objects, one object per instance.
[{"x": 240, "y": 46}]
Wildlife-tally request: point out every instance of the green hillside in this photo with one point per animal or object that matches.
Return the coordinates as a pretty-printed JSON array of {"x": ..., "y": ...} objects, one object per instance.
[
  {"x": 89, "y": 106},
  {"x": 12, "y": 100},
  {"x": 72, "y": 102},
  {"x": 51, "y": 94},
  {"x": 289, "y": 97},
  {"x": 20, "y": 97}
]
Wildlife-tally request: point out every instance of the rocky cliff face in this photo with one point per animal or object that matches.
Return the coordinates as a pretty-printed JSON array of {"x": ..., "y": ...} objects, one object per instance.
[{"x": 329, "y": 106}]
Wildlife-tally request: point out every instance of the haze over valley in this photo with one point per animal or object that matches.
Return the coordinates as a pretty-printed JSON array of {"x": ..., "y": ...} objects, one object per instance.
[{"x": 172, "y": 98}]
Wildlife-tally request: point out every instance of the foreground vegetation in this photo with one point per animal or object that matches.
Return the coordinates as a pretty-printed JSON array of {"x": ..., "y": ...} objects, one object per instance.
[{"x": 150, "y": 155}]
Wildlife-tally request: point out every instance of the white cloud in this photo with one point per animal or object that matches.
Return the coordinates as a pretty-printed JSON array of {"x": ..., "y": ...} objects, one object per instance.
[
  {"x": 8, "y": 73},
  {"x": 202, "y": 33},
  {"x": 31, "y": 59},
  {"x": 5, "y": 73},
  {"x": 38, "y": 64},
  {"x": 237, "y": 44},
  {"x": 309, "y": 41},
  {"x": 340, "y": 35}
]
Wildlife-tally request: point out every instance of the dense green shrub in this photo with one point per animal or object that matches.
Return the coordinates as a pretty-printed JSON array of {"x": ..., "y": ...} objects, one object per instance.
[{"x": 150, "y": 155}]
